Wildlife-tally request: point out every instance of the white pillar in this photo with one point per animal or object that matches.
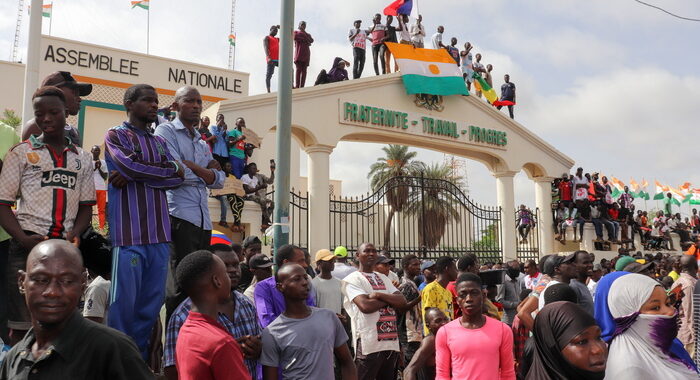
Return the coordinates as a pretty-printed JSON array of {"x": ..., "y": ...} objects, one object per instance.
[
  {"x": 319, "y": 199},
  {"x": 506, "y": 200},
  {"x": 543, "y": 201},
  {"x": 31, "y": 71}
]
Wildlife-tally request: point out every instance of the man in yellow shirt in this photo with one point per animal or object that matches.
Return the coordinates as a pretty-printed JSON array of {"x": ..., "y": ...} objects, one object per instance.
[{"x": 435, "y": 294}]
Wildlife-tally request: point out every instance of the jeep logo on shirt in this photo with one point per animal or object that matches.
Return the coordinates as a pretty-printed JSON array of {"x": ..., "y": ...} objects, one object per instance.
[{"x": 59, "y": 178}]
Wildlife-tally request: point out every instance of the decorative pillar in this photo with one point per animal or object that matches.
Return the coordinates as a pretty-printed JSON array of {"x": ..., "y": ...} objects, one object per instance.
[
  {"x": 319, "y": 197},
  {"x": 543, "y": 201},
  {"x": 506, "y": 200}
]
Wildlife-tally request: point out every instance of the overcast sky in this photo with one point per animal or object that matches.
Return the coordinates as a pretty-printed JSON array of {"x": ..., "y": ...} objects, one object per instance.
[{"x": 612, "y": 84}]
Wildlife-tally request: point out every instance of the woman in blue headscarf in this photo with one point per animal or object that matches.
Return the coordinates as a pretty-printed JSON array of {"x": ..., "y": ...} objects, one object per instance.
[{"x": 633, "y": 313}]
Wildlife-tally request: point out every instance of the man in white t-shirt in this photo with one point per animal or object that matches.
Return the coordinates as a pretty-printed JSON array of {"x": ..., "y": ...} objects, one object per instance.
[
  {"x": 532, "y": 276},
  {"x": 255, "y": 187},
  {"x": 418, "y": 32},
  {"x": 99, "y": 172},
  {"x": 437, "y": 38},
  {"x": 358, "y": 40},
  {"x": 97, "y": 300},
  {"x": 371, "y": 301}
]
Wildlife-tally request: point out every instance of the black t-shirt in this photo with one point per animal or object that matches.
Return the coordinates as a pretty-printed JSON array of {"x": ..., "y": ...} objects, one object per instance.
[
  {"x": 391, "y": 34},
  {"x": 508, "y": 91},
  {"x": 246, "y": 278}
]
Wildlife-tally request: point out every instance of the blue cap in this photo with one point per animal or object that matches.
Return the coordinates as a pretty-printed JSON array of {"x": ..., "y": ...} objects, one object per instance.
[{"x": 427, "y": 264}]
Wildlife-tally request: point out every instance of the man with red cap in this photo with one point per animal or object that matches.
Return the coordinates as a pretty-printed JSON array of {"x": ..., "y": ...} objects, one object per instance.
[{"x": 72, "y": 91}]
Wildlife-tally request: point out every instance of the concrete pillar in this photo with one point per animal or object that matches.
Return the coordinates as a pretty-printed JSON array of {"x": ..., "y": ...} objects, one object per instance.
[
  {"x": 319, "y": 200},
  {"x": 543, "y": 201},
  {"x": 506, "y": 200}
]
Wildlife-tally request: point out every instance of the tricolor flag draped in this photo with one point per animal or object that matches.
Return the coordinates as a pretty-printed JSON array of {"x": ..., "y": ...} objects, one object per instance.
[
  {"x": 428, "y": 71},
  {"x": 232, "y": 39},
  {"x": 140, "y": 3},
  {"x": 634, "y": 186},
  {"x": 489, "y": 93}
]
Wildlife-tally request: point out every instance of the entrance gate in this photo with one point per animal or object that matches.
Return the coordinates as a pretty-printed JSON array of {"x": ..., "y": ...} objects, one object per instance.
[
  {"x": 416, "y": 215},
  {"x": 529, "y": 247}
]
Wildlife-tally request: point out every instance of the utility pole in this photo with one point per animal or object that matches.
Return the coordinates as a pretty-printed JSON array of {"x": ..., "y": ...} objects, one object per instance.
[
  {"x": 31, "y": 73},
  {"x": 283, "y": 133},
  {"x": 18, "y": 29}
]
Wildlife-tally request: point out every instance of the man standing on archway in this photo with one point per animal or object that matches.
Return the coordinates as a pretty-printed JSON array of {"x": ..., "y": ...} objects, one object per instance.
[{"x": 271, "y": 44}]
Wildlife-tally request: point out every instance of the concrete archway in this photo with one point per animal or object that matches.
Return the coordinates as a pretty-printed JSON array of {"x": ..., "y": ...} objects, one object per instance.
[{"x": 378, "y": 110}]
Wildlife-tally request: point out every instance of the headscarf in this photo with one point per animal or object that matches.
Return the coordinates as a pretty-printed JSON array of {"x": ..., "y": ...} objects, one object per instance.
[
  {"x": 555, "y": 325},
  {"x": 336, "y": 74},
  {"x": 642, "y": 344}
]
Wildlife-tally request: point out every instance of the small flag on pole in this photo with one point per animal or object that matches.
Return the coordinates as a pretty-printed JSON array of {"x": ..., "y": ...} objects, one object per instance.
[
  {"x": 140, "y": 3},
  {"x": 232, "y": 39},
  {"x": 46, "y": 10}
]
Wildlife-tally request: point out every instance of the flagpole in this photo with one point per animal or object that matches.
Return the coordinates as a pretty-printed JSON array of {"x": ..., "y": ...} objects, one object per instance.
[
  {"x": 51, "y": 18},
  {"x": 148, "y": 29}
]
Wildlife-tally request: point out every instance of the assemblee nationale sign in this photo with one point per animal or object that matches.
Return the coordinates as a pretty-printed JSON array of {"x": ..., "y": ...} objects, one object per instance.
[{"x": 366, "y": 115}]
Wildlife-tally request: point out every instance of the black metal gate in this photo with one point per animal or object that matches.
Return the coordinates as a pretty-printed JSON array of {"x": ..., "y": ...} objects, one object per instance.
[
  {"x": 422, "y": 216},
  {"x": 298, "y": 219},
  {"x": 527, "y": 233}
]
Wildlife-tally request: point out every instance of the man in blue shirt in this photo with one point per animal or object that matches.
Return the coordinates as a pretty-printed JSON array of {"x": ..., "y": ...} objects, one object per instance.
[
  {"x": 187, "y": 204},
  {"x": 219, "y": 149}
]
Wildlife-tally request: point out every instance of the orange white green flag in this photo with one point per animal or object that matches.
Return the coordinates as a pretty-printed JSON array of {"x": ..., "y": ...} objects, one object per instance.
[
  {"x": 140, "y": 3},
  {"x": 661, "y": 191},
  {"x": 232, "y": 39},
  {"x": 46, "y": 10},
  {"x": 695, "y": 197},
  {"x": 428, "y": 71}
]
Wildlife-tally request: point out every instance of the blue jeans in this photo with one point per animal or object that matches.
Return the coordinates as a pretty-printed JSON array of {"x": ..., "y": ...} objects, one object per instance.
[
  {"x": 223, "y": 205},
  {"x": 237, "y": 166}
]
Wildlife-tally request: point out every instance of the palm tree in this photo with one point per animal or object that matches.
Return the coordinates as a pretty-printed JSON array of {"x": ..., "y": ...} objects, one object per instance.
[
  {"x": 398, "y": 162},
  {"x": 435, "y": 205}
]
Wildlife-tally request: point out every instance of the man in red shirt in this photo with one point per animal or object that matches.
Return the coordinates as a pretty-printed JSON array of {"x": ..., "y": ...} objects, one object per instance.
[
  {"x": 204, "y": 349},
  {"x": 566, "y": 192},
  {"x": 272, "y": 53}
]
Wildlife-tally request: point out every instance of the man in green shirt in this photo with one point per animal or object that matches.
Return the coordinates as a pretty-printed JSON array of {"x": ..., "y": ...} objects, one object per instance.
[
  {"x": 668, "y": 201},
  {"x": 236, "y": 148},
  {"x": 8, "y": 138}
]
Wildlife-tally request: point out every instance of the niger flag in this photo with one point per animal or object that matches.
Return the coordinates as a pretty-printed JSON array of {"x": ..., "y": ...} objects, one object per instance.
[{"x": 428, "y": 71}]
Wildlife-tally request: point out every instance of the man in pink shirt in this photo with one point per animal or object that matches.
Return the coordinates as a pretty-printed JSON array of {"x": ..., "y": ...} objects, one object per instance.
[
  {"x": 204, "y": 349},
  {"x": 473, "y": 347}
]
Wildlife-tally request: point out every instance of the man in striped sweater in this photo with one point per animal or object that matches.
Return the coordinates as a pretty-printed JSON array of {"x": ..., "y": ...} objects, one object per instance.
[{"x": 141, "y": 169}]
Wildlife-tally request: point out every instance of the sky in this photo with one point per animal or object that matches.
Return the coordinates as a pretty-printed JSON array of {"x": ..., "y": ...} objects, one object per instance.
[{"x": 612, "y": 84}]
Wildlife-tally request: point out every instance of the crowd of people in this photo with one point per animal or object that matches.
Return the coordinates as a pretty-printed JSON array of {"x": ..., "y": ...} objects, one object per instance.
[
  {"x": 376, "y": 36},
  {"x": 81, "y": 306},
  {"x": 588, "y": 198}
]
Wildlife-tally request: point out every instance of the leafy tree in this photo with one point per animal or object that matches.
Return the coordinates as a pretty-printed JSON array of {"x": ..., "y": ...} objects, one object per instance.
[
  {"x": 396, "y": 163},
  {"x": 435, "y": 205}
]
